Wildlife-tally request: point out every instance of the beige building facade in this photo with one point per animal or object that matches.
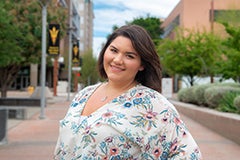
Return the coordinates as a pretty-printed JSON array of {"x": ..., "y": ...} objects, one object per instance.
[
  {"x": 197, "y": 15},
  {"x": 86, "y": 25}
]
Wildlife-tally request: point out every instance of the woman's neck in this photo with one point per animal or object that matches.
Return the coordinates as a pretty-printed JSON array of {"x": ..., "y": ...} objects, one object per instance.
[{"x": 121, "y": 86}]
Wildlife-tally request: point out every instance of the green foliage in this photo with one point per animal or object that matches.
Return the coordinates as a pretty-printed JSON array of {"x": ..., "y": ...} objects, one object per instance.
[
  {"x": 24, "y": 29},
  {"x": 191, "y": 54},
  {"x": 236, "y": 102},
  {"x": 151, "y": 24},
  {"x": 227, "y": 102},
  {"x": 230, "y": 67},
  {"x": 230, "y": 16},
  {"x": 198, "y": 93},
  {"x": 89, "y": 74},
  {"x": 186, "y": 95},
  {"x": 9, "y": 35},
  {"x": 215, "y": 94},
  {"x": 220, "y": 96}
]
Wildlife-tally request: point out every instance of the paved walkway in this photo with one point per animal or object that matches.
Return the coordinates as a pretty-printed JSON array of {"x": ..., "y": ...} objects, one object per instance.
[{"x": 35, "y": 139}]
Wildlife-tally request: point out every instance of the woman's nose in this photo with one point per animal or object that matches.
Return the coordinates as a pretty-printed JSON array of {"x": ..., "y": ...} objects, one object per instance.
[{"x": 118, "y": 59}]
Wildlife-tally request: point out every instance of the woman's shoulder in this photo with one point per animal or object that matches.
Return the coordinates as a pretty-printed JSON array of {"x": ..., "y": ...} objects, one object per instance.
[
  {"x": 150, "y": 93},
  {"x": 155, "y": 97},
  {"x": 147, "y": 90}
]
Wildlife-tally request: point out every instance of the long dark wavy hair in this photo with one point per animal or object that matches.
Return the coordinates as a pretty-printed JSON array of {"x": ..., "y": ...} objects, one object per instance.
[{"x": 152, "y": 74}]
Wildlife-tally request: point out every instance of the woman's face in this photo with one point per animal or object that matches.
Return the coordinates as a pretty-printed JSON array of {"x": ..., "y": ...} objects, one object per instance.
[{"x": 121, "y": 61}]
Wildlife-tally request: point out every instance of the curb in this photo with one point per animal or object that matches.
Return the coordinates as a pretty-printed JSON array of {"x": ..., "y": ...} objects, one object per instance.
[{"x": 225, "y": 124}]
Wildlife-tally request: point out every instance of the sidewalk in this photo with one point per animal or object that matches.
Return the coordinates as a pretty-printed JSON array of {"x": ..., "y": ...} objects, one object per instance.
[{"x": 35, "y": 139}]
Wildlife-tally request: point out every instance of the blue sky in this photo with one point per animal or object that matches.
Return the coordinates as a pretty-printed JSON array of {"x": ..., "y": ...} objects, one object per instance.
[{"x": 117, "y": 12}]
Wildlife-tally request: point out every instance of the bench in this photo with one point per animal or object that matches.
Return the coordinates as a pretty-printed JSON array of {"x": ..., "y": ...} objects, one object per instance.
[{"x": 16, "y": 107}]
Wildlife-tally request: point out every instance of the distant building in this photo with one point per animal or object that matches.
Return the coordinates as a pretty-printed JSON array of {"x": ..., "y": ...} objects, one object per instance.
[
  {"x": 82, "y": 22},
  {"x": 198, "y": 15},
  {"x": 86, "y": 25}
]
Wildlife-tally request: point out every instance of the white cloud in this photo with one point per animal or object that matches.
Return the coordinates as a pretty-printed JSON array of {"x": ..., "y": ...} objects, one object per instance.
[
  {"x": 105, "y": 19},
  {"x": 117, "y": 12},
  {"x": 160, "y": 8}
]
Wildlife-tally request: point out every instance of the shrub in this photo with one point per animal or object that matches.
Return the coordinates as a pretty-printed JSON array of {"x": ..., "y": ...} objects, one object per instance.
[
  {"x": 227, "y": 104},
  {"x": 215, "y": 94},
  {"x": 236, "y": 102},
  {"x": 186, "y": 95},
  {"x": 230, "y": 84},
  {"x": 198, "y": 93}
]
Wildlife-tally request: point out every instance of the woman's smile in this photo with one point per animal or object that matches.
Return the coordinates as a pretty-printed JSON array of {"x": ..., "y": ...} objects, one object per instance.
[{"x": 116, "y": 68}]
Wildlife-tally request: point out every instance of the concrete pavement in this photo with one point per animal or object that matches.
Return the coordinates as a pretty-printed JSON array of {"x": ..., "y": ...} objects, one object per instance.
[{"x": 35, "y": 139}]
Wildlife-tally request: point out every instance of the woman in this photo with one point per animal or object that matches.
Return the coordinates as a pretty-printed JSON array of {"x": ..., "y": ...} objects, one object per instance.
[{"x": 125, "y": 117}]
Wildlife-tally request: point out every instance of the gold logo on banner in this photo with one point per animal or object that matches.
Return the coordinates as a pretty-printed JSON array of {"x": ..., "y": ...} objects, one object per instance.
[
  {"x": 75, "y": 54},
  {"x": 75, "y": 50},
  {"x": 53, "y": 39},
  {"x": 54, "y": 34}
]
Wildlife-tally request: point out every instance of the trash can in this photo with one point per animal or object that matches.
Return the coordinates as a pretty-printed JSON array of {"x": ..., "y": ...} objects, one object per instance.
[
  {"x": 3, "y": 125},
  {"x": 30, "y": 90}
]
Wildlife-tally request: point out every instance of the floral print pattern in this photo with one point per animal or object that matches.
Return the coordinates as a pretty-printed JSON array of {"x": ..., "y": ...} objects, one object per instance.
[{"x": 139, "y": 124}]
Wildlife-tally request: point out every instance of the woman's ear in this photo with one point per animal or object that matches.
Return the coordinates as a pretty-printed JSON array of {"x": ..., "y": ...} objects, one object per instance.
[{"x": 141, "y": 68}]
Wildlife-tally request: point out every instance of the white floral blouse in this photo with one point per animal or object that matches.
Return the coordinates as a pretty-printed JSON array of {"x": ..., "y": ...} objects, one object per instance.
[{"x": 140, "y": 124}]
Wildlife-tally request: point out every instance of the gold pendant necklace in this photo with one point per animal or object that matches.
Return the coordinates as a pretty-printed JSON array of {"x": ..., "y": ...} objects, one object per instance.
[{"x": 104, "y": 98}]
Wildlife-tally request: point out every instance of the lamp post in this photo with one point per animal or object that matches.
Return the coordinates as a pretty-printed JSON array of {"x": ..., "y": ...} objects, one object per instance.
[
  {"x": 212, "y": 16},
  {"x": 44, "y": 4},
  {"x": 70, "y": 50}
]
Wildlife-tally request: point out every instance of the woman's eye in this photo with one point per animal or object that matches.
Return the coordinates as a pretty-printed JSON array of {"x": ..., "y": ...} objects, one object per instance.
[
  {"x": 113, "y": 50},
  {"x": 130, "y": 56}
]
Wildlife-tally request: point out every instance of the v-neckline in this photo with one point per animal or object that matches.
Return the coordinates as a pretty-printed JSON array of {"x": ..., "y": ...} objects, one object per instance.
[{"x": 107, "y": 103}]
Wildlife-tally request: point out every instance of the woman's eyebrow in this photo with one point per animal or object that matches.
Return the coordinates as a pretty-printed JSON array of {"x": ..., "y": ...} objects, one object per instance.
[
  {"x": 128, "y": 52},
  {"x": 113, "y": 47}
]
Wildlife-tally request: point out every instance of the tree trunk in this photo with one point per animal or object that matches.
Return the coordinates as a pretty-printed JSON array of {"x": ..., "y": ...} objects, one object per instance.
[
  {"x": 8, "y": 75},
  {"x": 211, "y": 79},
  {"x": 3, "y": 91}
]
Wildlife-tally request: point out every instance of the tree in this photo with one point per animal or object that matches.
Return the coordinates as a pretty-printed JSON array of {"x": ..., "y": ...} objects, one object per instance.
[
  {"x": 151, "y": 24},
  {"x": 230, "y": 67},
  {"x": 10, "y": 47},
  {"x": 89, "y": 74},
  {"x": 25, "y": 16},
  {"x": 191, "y": 54}
]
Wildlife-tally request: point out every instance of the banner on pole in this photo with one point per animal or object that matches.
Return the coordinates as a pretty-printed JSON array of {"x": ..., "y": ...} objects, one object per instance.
[
  {"x": 75, "y": 54},
  {"x": 53, "y": 39}
]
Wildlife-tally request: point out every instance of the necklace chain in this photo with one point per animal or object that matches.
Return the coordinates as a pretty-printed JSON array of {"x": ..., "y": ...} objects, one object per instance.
[{"x": 105, "y": 97}]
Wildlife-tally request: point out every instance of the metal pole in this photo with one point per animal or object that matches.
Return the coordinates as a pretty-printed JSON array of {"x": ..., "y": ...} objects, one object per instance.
[
  {"x": 212, "y": 16},
  {"x": 70, "y": 50},
  {"x": 43, "y": 63}
]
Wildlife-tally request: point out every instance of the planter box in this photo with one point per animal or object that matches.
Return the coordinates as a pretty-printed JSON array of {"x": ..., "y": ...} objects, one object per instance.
[{"x": 225, "y": 124}]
